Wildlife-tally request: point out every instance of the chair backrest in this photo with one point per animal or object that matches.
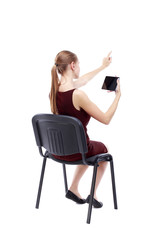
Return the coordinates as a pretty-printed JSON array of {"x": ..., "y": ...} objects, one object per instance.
[{"x": 59, "y": 134}]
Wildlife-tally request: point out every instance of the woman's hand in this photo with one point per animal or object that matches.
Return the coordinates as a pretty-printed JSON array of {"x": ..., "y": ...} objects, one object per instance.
[{"x": 107, "y": 60}]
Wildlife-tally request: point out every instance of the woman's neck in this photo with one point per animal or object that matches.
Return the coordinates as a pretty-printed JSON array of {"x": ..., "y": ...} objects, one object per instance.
[{"x": 66, "y": 83}]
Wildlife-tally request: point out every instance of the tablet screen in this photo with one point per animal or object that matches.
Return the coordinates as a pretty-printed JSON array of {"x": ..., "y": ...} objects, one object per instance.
[{"x": 110, "y": 83}]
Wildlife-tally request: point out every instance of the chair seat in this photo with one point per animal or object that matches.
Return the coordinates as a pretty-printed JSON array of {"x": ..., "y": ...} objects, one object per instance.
[
  {"x": 99, "y": 157},
  {"x": 91, "y": 160}
]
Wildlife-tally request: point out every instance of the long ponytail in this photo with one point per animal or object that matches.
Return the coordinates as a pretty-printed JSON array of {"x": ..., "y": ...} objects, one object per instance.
[
  {"x": 54, "y": 89},
  {"x": 62, "y": 60}
]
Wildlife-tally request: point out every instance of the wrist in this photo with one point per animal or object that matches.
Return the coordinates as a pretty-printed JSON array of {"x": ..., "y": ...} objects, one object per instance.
[
  {"x": 118, "y": 95},
  {"x": 102, "y": 67}
]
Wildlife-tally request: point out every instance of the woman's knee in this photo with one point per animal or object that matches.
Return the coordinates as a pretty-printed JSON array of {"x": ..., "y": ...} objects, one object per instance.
[
  {"x": 103, "y": 165},
  {"x": 106, "y": 145}
]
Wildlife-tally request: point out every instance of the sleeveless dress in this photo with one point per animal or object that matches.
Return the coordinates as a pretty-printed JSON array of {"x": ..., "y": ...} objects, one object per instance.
[{"x": 65, "y": 107}]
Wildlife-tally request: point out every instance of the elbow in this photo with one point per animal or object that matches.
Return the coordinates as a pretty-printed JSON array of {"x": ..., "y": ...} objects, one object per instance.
[{"x": 107, "y": 121}]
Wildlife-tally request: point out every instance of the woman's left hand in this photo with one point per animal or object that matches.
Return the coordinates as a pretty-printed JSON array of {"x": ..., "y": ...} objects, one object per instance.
[{"x": 107, "y": 60}]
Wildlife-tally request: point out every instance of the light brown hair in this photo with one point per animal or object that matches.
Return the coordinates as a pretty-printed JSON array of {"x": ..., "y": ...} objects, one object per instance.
[{"x": 62, "y": 60}]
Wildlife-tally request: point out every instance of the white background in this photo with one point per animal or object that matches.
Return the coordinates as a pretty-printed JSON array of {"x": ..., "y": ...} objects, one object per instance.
[{"x": 32, "y": 33}]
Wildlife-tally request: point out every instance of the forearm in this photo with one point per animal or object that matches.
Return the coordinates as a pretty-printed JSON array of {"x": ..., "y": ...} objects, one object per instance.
[
  {"x": 112, "y": 109},
  {"x": 88, "y": 76},
  {"x": 83, "y": 80}
]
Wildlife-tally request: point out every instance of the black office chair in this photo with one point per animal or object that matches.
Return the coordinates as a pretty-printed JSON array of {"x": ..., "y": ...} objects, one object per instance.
[{"x": 64, "y": 135}]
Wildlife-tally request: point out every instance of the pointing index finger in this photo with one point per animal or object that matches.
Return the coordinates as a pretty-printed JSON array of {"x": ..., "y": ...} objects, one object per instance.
[{"x": 109, "y": 53}]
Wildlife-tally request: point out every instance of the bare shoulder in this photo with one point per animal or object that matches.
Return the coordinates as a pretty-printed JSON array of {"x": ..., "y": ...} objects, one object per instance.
[
  {"x": 79, "y": 99},
  {"x": 79, "y": 94}
]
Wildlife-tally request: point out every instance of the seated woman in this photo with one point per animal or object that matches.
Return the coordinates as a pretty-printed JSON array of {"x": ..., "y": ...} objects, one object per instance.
[{"x": 67, "y": 99}]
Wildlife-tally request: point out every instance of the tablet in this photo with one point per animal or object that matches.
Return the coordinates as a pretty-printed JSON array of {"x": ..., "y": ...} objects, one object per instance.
[{"x": 110, "y": 83}]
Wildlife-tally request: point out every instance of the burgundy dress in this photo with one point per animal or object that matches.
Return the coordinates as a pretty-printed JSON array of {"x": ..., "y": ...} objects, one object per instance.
[{"x": 65, "y": 107}]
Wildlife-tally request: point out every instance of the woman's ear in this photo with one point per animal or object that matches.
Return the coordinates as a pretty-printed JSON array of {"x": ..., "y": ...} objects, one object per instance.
[{"x": 72, "y": 66}]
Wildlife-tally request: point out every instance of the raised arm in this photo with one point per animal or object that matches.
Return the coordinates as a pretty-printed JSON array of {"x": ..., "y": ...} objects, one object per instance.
[
  {"x": 83, "y": 80},
  {"x": 81, "y": 100}
]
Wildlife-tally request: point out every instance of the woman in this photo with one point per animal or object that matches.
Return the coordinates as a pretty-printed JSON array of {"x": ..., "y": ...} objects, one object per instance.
[{"x": 67, "y": 99}]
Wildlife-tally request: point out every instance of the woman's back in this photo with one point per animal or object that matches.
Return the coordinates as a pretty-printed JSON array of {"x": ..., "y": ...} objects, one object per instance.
[{"x": 65, "y": 107}]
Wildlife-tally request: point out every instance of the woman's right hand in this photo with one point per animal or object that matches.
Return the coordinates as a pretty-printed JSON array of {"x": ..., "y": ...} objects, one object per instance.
[
  {"x": 107, "y": 60},
  {"x": 118, "y": 89}
]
